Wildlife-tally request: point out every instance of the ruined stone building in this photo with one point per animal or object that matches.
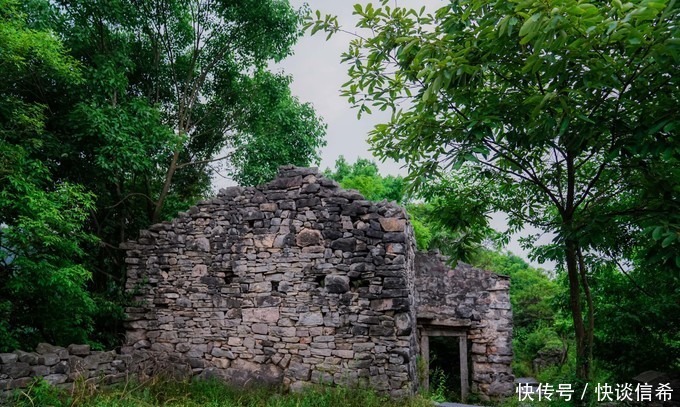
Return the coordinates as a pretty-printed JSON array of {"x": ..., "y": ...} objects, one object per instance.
[{"x": 299, "y": 281}]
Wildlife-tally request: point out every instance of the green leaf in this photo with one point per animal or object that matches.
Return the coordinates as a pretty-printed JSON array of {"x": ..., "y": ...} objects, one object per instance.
[
  {"x": 529, "y": 24},
  {"x": 427, "y": 94},
  {"x": 668, "y": 240},
  {"x": 658, "y": 232}
]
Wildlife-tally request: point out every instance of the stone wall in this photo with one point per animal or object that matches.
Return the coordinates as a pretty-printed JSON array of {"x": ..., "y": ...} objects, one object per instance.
[
  {"x": 291, "y": 283},
  {"x": 475, "y": 301},
  {"x": 294, "y": 282},
  {"x": 61, "y": 367}
]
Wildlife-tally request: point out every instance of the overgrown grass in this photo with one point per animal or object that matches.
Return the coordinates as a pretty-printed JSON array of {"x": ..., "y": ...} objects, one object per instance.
[{"x": 197, "y": 393}]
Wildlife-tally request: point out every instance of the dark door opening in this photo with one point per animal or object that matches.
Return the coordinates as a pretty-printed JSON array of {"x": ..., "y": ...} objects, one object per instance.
[
  {"x": 445, "y": 354},
  {"x": 445, "y": 367}
]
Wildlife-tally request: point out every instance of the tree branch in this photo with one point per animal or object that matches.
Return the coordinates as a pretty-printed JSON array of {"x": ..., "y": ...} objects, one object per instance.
[
  {"x": 632, "y": 280},
  {"x": 129, "y": 196},
  {"x": 179, "y": 166},
  {"x": 531, "y": 176}
]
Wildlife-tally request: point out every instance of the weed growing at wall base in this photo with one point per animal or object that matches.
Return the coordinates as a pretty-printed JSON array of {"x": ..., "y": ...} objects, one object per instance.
[{"x": 195, "y": 393}]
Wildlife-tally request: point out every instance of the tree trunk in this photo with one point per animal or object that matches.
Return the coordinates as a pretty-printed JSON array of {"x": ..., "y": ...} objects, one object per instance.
[
  {"x": 590, "y": 329},
  {"x": 166, "y": 187},
  {"x": 571, "y": 251},
  {"x": 582, "y": 348}
]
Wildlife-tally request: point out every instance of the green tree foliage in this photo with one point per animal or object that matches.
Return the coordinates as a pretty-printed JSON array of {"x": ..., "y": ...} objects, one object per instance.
[
  {"x": 175, "y": 83},
  {"x": 43, "y": 295},
  {"x": 29, "y": 57},
  {"x": 42, "y": 219},
  {"x": 129, "y": 125},
  {"x": 455, "y": 214},
  {"x": 638, "y": 307},
  {"x": 364, "y": 177},
  {"x": 567, "y": 106},
  {"x": 277, "y": 129}
]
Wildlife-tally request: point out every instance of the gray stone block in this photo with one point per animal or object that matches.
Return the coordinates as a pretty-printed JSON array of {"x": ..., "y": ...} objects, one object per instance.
[
  {"x": 79, "y": 350},
  {"x": 336, "y": 284},
  {"x": 7, "y": 358}
]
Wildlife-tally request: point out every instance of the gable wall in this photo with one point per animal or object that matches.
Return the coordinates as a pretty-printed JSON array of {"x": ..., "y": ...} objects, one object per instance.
[{"x": 294, "y": 282}]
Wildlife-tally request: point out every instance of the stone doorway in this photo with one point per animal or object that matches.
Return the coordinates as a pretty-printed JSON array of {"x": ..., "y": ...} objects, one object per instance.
[{"x": 458, "y": 336}]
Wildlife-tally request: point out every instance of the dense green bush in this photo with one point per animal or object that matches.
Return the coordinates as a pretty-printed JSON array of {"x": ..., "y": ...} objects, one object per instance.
[{"x": 43, "y": 292}]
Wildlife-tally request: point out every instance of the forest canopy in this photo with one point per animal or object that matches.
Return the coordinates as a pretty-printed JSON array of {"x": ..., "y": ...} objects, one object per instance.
[{"x": 114, "y": 116}]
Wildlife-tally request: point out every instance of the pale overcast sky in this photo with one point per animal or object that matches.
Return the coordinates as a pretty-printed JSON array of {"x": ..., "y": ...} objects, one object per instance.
[{"x": 317, "y": 78}]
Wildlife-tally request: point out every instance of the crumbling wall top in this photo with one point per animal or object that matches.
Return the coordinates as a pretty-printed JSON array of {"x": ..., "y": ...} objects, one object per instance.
[{"x": 296, "y": 281}]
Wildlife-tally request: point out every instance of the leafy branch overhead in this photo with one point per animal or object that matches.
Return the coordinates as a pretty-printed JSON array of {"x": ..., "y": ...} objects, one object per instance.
[
  {"x": 133, "y": 107},
  {"x": 568, "y": 107}
]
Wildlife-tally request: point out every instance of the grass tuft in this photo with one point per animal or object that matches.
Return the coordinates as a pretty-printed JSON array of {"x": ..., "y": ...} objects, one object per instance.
[{"x": 203, "y": 393}]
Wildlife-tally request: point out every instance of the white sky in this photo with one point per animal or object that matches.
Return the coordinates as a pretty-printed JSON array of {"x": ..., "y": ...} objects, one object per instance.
[{"x": 317, "y": 78}]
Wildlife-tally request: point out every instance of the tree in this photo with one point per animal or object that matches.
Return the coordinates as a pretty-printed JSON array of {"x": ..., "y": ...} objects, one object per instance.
[
  {"x": 196, "y": 63},
  {"x": 42, "y": 220},
  {"x": 277, "y": 129},
  {"x": 43, "y": 294},
  {"x": 456, "y": 215},
  {"x": 27, "y": 54},
  {"x": 638, "y": 306},
  {"x": 165, "y": 90},
  {"x": 568, "y": 106},
  {"x": 363, "y": 176}
]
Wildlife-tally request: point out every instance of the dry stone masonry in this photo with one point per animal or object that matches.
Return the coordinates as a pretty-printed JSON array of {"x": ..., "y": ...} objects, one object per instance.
[
  {"x": 475, "y": 303},
  {"x": 291, "y": 283},
  {"x": 295, "y": 282},
  {"x": 61, "y": 367}
]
